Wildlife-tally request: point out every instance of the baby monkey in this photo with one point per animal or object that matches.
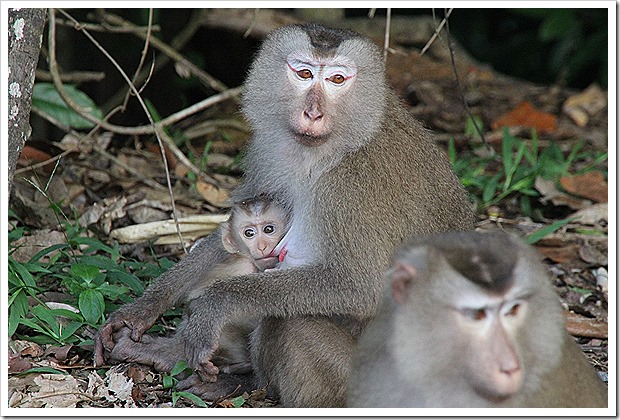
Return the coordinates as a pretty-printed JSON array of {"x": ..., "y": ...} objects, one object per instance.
[{"x": 250, "y": 236}]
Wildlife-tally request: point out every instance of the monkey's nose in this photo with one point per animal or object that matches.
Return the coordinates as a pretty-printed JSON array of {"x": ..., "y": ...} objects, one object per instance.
[{"x": 313, "y": 115}]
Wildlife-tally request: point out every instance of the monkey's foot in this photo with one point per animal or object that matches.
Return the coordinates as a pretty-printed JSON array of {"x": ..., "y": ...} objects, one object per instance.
[{"x": 226, "y": 386}]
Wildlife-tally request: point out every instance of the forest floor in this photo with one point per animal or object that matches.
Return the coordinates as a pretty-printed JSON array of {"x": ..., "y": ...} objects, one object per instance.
[{"x": 576, "y": 253}]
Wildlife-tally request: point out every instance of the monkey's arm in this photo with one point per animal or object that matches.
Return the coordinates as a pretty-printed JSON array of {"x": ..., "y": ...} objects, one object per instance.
[
  {"x": 169, "y": 289},
  {"x": 307, "y": 290}
]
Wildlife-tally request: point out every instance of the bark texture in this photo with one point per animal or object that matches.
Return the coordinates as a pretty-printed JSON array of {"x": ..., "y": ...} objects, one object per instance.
[{"x": 25, "y": 35}]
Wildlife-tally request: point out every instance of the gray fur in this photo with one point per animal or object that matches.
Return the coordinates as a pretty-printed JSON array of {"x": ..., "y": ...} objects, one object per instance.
[
  {"x": 379, "y": 178},
  {"x": 412, "y": 354}
]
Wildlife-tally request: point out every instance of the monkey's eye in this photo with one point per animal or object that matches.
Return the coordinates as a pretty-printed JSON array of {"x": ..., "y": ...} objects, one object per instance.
[
  {"x": 249, "y": 233},
  {"x": 304, "y": 74},
  {"x": 474, "y": 314},
  {"x": 337, "y": 79},
  {"x": 269, "y": 229},
  {"x": 514, "y": 310}
]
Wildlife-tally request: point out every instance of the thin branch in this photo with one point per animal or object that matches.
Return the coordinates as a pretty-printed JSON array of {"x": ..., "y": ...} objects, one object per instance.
[
  {"x": 138, "y": 175},
  {"x": 437, "y": 30},
  {"x": 142, "y": 58},
  {"x": 203, "y": 76},
  {"x": 386, "y": 39},
  {"x": 252, "y": 24},
  {"x": 45, "y": 162},
  {"x": 104, "y": 27},
  {"x": 57, "y": 83},
  {"x": 460, "y": 87},
  {"x": 144, "y": 129},
  {"x": 73, "y": 77},
  {"x": 177, "y": 43}
]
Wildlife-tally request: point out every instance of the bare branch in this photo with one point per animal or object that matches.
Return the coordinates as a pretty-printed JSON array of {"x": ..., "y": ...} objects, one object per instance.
[
  {"x": 142, "y": 58},
  {"x": 58, "y": 85},
  {"x": 437, "y": 30}
]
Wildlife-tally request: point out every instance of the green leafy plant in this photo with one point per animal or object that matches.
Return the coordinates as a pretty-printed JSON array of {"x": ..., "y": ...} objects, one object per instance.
[
  {"x": 491, "y": 178},
  {"x": 46, "y": 98},
  {"x": 169, "y": 382},
  {"x": 92, "y": 273}
]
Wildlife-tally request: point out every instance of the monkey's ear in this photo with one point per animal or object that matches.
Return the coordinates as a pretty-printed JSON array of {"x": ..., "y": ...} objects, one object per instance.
[
  {"x": 227, "y": 239},
  {"x": 401, "y": 279}
]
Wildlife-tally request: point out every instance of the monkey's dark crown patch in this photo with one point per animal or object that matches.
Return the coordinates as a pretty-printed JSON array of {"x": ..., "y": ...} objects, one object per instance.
[
  {"x": 324, "y": 38},
  {"x": 487, "y": 259}
]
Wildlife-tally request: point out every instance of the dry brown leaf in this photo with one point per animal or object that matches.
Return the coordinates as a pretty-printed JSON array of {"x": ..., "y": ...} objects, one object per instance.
[
  {"x": 17, "y": 363},
  {"x": 563, "y": 254},
  {"x": 525, "y": 115},
  {"x": 591, "y": 185},
  {"x": 54, "y": 390},
  {"x": 549, "y": 192},
  {"x": 216, "y": 196},
  {"x": 594, "y": 252},
  {"x": 582, "y": 106},
  {"x": 591, "y": 215},
  {"x": 27, "y": 246}
]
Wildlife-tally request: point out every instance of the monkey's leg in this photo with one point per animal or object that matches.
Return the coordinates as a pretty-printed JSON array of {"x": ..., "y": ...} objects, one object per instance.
[
  {"x": 161, "y": 353},
  {"x": 305, "y": 360},
  {"x": 226, "y": 386}
]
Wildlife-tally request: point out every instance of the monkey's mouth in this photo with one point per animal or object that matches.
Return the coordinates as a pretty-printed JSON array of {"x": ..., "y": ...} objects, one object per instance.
[
  {"x": 267, "y": 262},
  {"x": 310, "y": 140}
]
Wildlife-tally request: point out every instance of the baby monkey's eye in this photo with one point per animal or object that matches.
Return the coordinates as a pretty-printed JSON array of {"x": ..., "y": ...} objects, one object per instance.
[
  {"x": 269, "y": 229},
  {"x": 474, "y": 314},
  {"x": 249, "y": 233},
  {"x": 514, "y": 310}
]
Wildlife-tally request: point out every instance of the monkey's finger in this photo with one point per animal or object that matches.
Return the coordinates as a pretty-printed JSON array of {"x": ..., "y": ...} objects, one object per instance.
[
  {"x": 208, "y": 371},
  {"x": 103, "y": 341},
  {"x": 190, "y": 382}
]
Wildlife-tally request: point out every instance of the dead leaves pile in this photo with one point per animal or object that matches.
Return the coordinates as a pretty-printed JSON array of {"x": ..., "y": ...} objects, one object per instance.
[{"x": 50, "y": 390}]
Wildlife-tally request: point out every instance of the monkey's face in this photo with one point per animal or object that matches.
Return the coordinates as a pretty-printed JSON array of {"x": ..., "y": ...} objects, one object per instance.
[
  {"x": 261, "y": 238},
  {"x": 319, "y": 86}
]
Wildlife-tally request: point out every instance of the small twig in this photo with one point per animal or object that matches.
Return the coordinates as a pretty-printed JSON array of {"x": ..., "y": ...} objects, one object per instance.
[
  {"x": 74, "y": 77},
  {"x": 52, "y": 120},
  {"x": 140, "y": 176},
  {"x": 142, "y": 58},
  {"x": 144, "y": 129},
  {"x": 177, "y": 43},
  {"x": 386, "y": 40},
  {"x": 133, "y": 88},
  {"x": 460, "y": 88},
  {"x": 252, "y": 24},
  {"x": 109, "y": 28},
  {"x": 45, "y": 162},
  {"x": 437, "y": 30},
  {"x": 203, "y": 76}
]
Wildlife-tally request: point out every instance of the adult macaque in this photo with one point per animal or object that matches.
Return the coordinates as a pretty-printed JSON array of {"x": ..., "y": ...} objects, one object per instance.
[
  {"x": 250, "y": 236},
  {"x": 358, "y": 175},
  {"x": 470, "y": 320}
]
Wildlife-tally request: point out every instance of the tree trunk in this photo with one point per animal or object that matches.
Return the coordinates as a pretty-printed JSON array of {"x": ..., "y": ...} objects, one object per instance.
[{"x": 25, "y": 35}]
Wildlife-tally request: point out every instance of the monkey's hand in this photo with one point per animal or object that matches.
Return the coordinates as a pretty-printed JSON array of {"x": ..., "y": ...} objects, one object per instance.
[
  {"x": 199, "y": 355},
  {"x": 202, "y": 337},
  {"x": 135, "y": 320}
]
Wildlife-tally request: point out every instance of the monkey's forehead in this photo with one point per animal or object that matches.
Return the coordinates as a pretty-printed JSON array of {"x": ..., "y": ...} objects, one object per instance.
[{"x": 318, "y": 40}]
